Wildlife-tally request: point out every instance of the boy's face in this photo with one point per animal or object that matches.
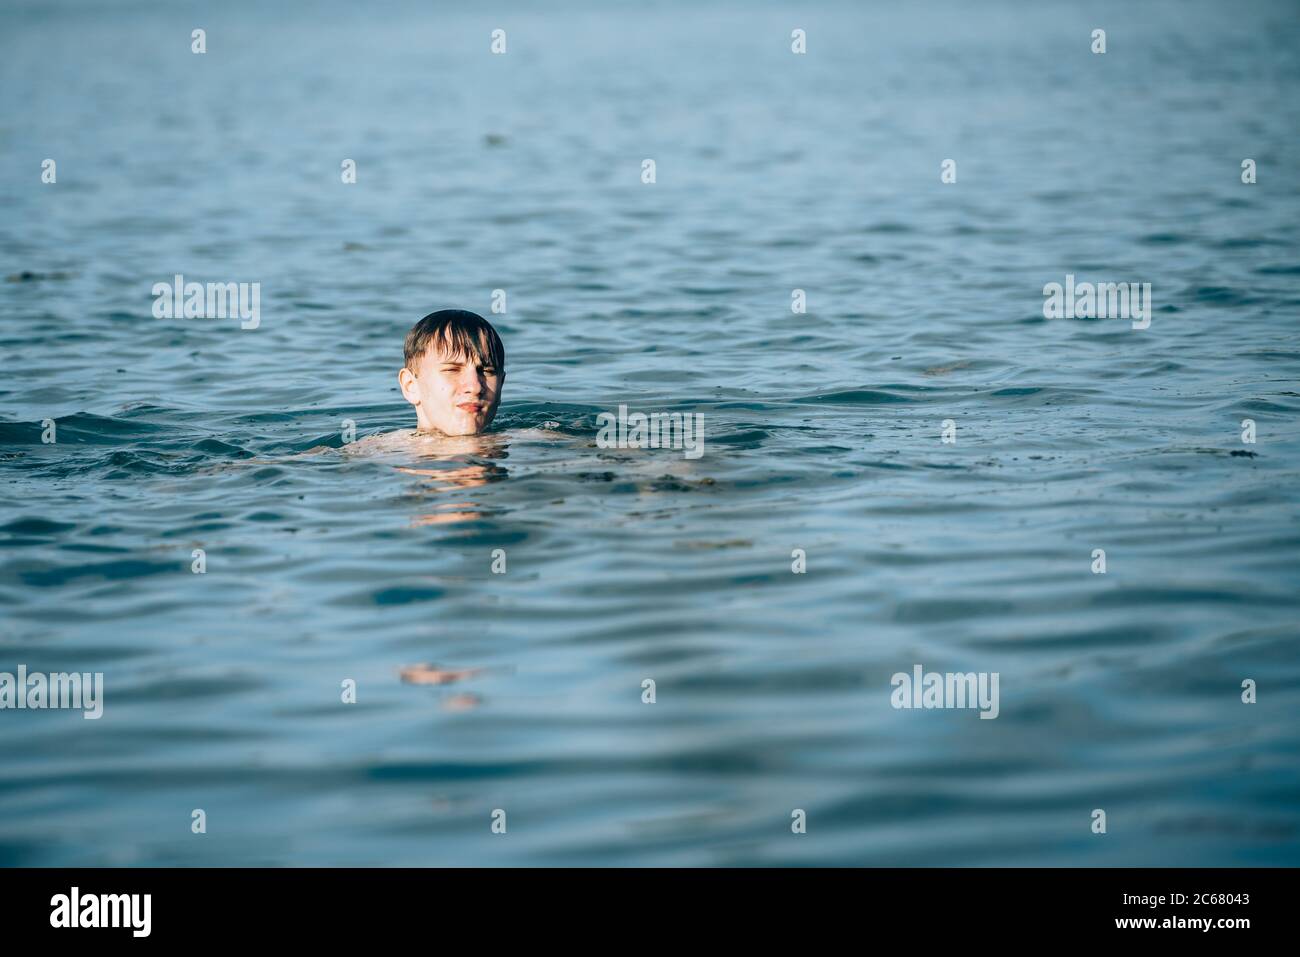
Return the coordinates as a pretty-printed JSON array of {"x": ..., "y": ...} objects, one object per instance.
[{"x": 456, "y": 395}]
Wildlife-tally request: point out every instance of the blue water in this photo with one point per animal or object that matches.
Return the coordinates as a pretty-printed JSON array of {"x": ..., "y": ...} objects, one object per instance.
[{"x": 222, "y": 691}]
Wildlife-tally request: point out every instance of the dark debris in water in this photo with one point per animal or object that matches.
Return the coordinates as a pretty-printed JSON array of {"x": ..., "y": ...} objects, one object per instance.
[
  {"x": 674, "y": 483},
  {"x": 28, "y": 276},
  {"x": 1231, "y": 453},
  {"x": 670, "y": 483}
]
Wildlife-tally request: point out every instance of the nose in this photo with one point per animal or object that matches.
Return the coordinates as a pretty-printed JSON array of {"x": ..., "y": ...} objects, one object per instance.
[{"x": 470, "y": 381}]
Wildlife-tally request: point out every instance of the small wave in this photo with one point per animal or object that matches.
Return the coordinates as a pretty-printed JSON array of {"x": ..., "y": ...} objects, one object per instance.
[{"x": 853, "y": 397}]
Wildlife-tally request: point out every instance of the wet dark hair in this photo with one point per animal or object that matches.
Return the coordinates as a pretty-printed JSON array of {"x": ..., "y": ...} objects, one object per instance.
[{"x": 460, "y": 335}]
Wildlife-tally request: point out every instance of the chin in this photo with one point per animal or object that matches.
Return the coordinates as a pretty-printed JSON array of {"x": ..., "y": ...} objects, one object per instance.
[
  {"x": 466, "y": 428},
  {"x": 460, "y": 425}
]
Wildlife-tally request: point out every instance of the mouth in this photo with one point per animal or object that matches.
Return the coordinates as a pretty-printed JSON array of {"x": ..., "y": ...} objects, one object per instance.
[{"x": 473, "y": 407}]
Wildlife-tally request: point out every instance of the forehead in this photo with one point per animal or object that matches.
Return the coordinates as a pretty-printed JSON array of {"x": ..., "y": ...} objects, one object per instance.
[{"x": 447, "y": 352}]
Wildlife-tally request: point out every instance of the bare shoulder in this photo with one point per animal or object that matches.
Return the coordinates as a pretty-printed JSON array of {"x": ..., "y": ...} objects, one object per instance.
[{"x": 402, "y": 440}]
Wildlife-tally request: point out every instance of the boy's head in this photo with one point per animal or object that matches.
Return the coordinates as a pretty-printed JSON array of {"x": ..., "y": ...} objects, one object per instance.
[{"x": 455, "y": 366}]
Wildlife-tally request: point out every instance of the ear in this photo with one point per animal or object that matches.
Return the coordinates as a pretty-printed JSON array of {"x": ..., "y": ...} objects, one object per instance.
[{"x": 406, "y": 379}]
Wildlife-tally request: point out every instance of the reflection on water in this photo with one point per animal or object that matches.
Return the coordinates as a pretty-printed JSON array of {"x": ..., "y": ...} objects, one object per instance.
[{"x": 449, "y": 475}]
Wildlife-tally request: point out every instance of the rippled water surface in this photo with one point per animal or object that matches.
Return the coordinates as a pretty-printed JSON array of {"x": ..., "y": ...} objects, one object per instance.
[{"x": 775, "y": 172}]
